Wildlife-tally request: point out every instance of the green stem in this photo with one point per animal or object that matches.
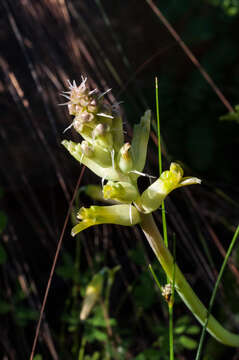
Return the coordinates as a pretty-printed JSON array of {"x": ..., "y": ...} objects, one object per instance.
[
  {"x": 182, "y": 286},
  {"x": 171, "y": 351},
  {"x": 165, "y": 233},
  {"x": 199, "y": 351},
  {"x": 171, "y": 304}
]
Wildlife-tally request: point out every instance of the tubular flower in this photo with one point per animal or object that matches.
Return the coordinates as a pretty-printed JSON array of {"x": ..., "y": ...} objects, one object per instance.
[
  {"x": 126, "y": 215},
  {"x": 104, "y": 152},
  {"x": 169, "y": 180}
]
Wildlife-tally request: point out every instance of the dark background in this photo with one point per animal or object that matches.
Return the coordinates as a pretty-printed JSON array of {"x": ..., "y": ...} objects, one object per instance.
[{"x": 121, "y": 45}]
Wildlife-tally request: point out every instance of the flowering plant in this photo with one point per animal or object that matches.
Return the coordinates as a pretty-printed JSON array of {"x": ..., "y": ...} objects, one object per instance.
[{"x": 104, "y": 152}]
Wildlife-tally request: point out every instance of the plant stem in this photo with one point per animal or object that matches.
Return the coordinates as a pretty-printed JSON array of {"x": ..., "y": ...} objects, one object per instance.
[
  {"x": 165, "y": 233},
  {"x": 170, "y": 312},
  {"x": 171, "y": 304},
  {"x": 182, "y": 286},
  {"x": 199, "y": 351}
]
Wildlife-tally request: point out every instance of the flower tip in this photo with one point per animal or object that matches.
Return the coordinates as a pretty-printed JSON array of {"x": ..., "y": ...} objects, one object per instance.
[
  {"x": 73, "y": 233},
  {"x": 176, "y": 169},
  {"x": 190, "y": 181},
  {"x": 195, "y": 180},
  {"x": 64, "y": 143}
]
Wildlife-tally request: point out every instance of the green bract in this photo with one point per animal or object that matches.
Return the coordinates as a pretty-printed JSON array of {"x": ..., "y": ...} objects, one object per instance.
[{"x": 104, "y": 152}]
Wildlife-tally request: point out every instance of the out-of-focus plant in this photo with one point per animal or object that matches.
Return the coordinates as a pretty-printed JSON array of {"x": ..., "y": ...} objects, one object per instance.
[
  {"x": 230, "y": 7},
  {"x": 91, "y": 316},
  {"x": 232, "y": 116}
]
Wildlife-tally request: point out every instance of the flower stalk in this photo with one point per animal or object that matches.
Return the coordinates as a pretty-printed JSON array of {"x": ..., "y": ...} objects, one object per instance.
[{"x": 182, "y": 286}]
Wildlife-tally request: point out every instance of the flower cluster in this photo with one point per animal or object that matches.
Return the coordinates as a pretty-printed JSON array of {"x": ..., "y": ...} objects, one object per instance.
[{"x": 104, "y": 152}]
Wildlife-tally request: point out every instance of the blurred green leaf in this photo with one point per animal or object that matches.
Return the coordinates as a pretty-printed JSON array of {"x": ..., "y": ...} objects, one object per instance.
[
  {"x": 188, "y": 342},
  {"x": 193, "y": 330},
  {"x": 96, "y": 335},
  {"x": 95, "y": 356},
  {"x": 23, "y": 315},
  {"x": 231, "y": 116},
  {"x": 38, "y": 357},
  {"x": 230, "y": 7},
  {"x": 180, "y": 329},
  {"x": 150, "y": 354}
]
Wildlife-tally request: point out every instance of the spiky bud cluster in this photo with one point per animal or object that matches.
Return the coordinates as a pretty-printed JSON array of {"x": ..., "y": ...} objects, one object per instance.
[
  {"x": 93, "y": 118},
  {"x": 103, "y": 149}
]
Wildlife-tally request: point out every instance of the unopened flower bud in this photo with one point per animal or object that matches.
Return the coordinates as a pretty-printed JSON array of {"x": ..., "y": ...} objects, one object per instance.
[
  {"x": 76, "y": 95},
  {"x": 84, "y": 101},
  {"x": 100, "y": 130},
  {"x": 103, "y": 136},
  {"x": 92, "y": 107},
  {"x": 87, "y": 149},
  {"x": 78, "y": 125},
  {"x": 72, "y": 109},
  {"x": 125, "y": 161},
  {"x": 85, "y": 117}
]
